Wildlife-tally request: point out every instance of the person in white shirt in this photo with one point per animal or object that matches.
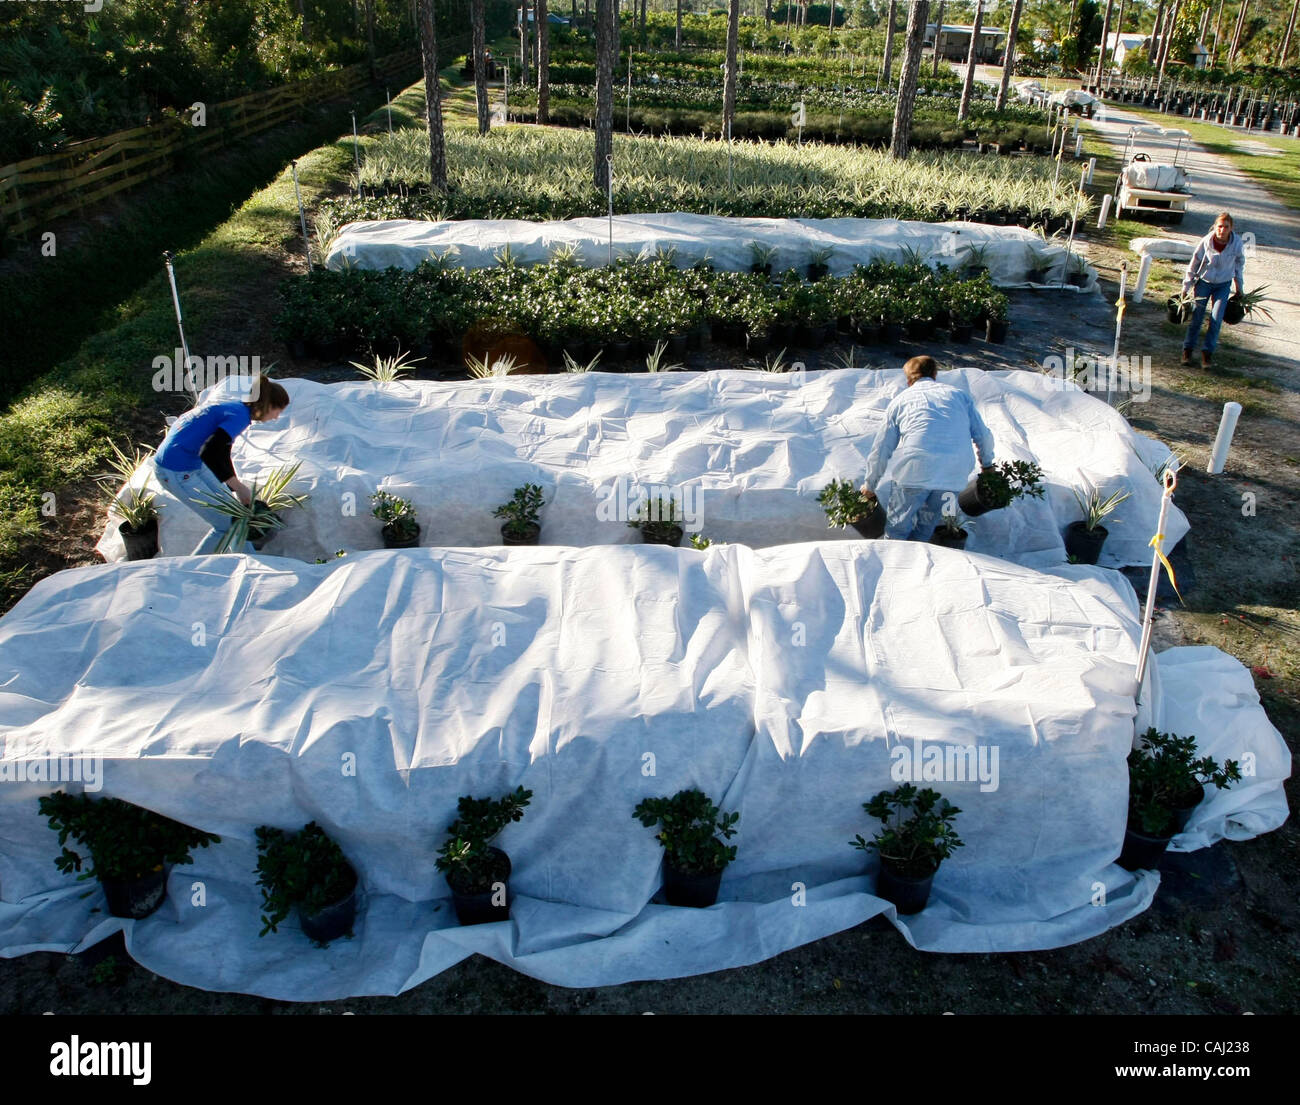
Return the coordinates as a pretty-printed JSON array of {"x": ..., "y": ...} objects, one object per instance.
[
  {"x": 928, "y": 432},
  {"x": 1218, "y": 262}
]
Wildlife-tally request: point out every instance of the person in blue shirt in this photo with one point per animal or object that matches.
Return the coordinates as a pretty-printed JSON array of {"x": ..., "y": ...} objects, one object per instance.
[
  {"x": 1218, "y": 262},
  {"x": 194, "y": 458},
  {"x": 928, "y": 432}
]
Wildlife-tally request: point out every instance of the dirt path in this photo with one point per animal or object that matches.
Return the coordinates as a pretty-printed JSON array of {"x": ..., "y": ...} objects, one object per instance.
[{"x": 1219, "y": 186}]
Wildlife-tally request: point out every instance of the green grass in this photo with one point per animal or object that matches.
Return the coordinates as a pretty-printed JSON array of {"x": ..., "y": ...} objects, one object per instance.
[
  {"x": 1279, "y": 176},
  {"x": 55, "y": 433}
]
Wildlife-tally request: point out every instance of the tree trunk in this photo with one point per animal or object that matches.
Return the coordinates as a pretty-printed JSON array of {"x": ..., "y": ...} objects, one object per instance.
[
  {"x": 1009, "y": 60},
  {"x": 1119, "y": 30},
  {"x": 1153, "y": 43},
  {"x": 302, "y": 15},
  {"x": 1290, "y": 28},
  {"x": 432, "y": 98},
  {"x": 1236, "y": 35},
  {"x": 543, "y": 64},
  {"x": 913, "y": 43},
  {"x": 606, "y": 48},
  {"x": 729, "y": 80},
  {"x": 938, "y": 30},
  {"x": 968, "y": 86},
  {"x": 1169, "y": 40},
  {"x": 523, "y": 44},
  {"x": 1105, "y": 38},
  {"x": 479, "y": 60},
  {"x": 1069, "y": 23},
  {"x": 1218, "y": 23},
  {"x": 642, "y": 24},
  {"x": 677, "y": 40},
  {"x": 370, "y": 36},
  {"x": 889, "y": 43}
]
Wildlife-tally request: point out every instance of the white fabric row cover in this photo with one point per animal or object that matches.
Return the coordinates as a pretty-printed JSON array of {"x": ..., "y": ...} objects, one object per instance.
[
  {"x": 1011, "y": 253},
  {"x": 790, "y": 684},
  {"x": 1163, "y": 249},
  {"x": 1161, "y": 178},
  {"x": 746, "y": 452}
]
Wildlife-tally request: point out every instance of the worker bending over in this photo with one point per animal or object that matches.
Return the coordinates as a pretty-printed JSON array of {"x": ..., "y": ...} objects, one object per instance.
[{"x": 928, "y": 432}]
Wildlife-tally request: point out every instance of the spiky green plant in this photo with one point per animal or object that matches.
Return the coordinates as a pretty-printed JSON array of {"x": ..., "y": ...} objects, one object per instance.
[
  {"x": 134, "y": 505},
  {"x": 654, "y": 361},
  {"x": 484, "y": 367},
  {"x": 570, "y": 365},
  {"x": 268, "y": 499},
  {"x": 1096, "y": 508},
  {"x": 384, "y": 370}
]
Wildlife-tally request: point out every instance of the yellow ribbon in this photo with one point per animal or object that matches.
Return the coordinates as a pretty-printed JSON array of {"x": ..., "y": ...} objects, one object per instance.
[{"x": 1169, "y": 568}]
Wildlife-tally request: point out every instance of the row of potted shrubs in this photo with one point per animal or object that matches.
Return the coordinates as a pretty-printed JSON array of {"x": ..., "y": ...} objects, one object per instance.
[
  {"x": 131, "y": 848},
  {"x": 566, "y": 308}
]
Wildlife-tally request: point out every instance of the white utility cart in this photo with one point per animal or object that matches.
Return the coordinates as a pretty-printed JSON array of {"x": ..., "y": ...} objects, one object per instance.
[{"x": 1151, "y": 187}]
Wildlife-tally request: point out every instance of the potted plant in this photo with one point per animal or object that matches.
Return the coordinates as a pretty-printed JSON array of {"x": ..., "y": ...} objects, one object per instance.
[
  {"x": 846, "y": 505},
  {"x": 263, "y": 515},
  {"x": 309, "y": 871},
  {"x": 761, "y": 258},
  {"x": 995, "y": 330},
  {"x": 694, "y": 856},
  {"x": 130, "y": 848},
  {"x": 1179, "y": 308},
  {"x": 1084, "y": 538},
  {"x": 521, "y": 526},
  {"x": 134, "y": 505},
  {"x": 1166, "y": 784},
  {"x": 659, "y": 523},
  {"x": 949, "y": 533},
  {"x": 917, "y": 837},
  {"x": 1076, "y": 271},
  {"x": 977, "y": 265},
  {"x": 1249, "y": 303},
  {"x": 999, "y": 486},
  {"x": 401, "y": 531},
  {"x": 477, "y": 872},
  {"x": 819, "y": 263}
]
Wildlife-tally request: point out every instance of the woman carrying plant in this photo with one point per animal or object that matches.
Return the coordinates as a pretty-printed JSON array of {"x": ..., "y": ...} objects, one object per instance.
[
  {"x": 928, "y": 432},
  {"x": 194, "y": 458},
  {"x": 1217, "y": 263}
]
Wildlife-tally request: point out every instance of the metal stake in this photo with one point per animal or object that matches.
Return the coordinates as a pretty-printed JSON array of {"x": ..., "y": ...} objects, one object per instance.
[
  {"x": 302, "y": 218},
  {"x": 180, "y": 325}
]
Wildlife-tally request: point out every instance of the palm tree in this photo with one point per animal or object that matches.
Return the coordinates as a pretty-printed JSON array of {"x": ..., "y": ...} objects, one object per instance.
[
  {"x": 432, "y": 99},
  {"x": 913, "y": 43},
  {"x": 543, "y": 63},
  {"x": 938, "y": 30},
  {"x": 677, "y": 42},
  {"x": 479, "y": 47},
  {"x": 606, "y": 47},
  {"x": 968, "y": 87},
  {"x": 1009, "y": 59},
  {"x": 729, "y": 79},
  {"x": 889, "y": 40},
  {"x": 1105, "y": 36}
]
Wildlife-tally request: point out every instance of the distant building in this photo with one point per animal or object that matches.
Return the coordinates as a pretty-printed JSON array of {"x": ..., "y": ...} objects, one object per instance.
[
  {"x": 954, "y": 42},
  {"x": 1127, "y": 43}
]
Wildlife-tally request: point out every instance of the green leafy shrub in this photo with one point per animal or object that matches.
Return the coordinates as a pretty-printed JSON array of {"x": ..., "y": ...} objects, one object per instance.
[
  {"x": 465, "y": 858},
  {"x": 305, "y": 869},
  {"x": 918, "y": 833},
  {"x": 690, "y": 827}
]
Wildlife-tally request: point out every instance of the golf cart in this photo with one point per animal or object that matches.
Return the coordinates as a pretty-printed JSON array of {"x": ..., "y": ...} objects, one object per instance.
[
  {"x": 1150, "y": 187},
  {"x": 1076, "y": 102}
]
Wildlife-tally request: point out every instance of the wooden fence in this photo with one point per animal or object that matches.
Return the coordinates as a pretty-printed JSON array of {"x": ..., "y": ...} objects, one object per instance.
[{"x": 82, "y": 174}]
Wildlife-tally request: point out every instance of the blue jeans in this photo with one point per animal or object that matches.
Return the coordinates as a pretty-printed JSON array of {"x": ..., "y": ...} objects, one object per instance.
[
  {"x": 913, "y": 512},
  {"x": 184, "y": 485},
  {"x": 1205, "y": 295}
]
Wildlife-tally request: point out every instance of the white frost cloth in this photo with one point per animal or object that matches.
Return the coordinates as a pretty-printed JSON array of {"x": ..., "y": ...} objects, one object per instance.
[
  {"x": 784, "y": 683},
  {"x": 748, "y": 452}
]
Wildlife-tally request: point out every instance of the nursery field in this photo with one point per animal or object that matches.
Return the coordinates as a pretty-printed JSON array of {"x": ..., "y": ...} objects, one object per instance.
[{"x": 1224, "y": 933}]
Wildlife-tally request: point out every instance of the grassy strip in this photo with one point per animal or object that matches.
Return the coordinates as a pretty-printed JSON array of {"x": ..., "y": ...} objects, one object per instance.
[
  {"x": 54, "y": 434},
  {"x": 1278, "y": 175}
]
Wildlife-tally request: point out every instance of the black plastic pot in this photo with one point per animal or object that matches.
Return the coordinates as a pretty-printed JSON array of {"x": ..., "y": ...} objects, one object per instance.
[
  {"x": 529, "y": 538},
  {"x": 817, "y": 270},
  {"x": 961, "y": 331},
  {"x": 1187, "y": 806},
  {"x": 782, "y": 335},
  {"x": 330, "y": 349},
  {"x": 809, "y": 336},
  {"x": 393, "y": 541},
  {"x": 891, "y": 332},
  {"x": 695, "y": 891},
  {"x": 677, "y": 344},
  {"x": 334, "y": 921},
  {"x": 141, "y": 544},
  {"x": 761, "y": 270},
  {"x": 297, "y": 349},
  {"x": 258, "y": 535},
  {"x": 970, "y": 501},
  {"x": 658, "y": 533},
  {"x": 995, "y": 330},
  {"x": 942, "y": 536},
  {"x": 621, "y": 350},
  {"x": 1077, "y": 279},
  {"x": 1180, "y": 314},
  {"x": 1084, "y": 544},
  {"x": 909, "y": 895},
  {"x": 580, "y": 351},
  {"x": 479, "y": 909},
  {"x": 873, "y": 525},
  {"x": 867, "y": 332},
  {"x": 1142, "y": 852},
  {"x": 136, "y": 898},
  {"x": 759, "y": 344},
  {"x": 1233, "y": 311},
  {"x": 919, "y": 329}
]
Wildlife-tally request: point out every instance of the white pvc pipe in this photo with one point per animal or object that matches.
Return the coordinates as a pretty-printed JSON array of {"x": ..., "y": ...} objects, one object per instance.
[
  {"x": 1153, "y": 585},
  {"x": 1092, "y": 167},
  {"x": 1105, "y": 211},
  {"x": 1227, "y": 426},
  {"x": 1078, "y": 146},
  {"x": 1144, "y": 270}
]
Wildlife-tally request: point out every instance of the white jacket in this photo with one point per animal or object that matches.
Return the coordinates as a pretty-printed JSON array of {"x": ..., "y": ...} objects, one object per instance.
[
  {"x": 1216, "y": 266},
  {"x": 928, "y": 432}
]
